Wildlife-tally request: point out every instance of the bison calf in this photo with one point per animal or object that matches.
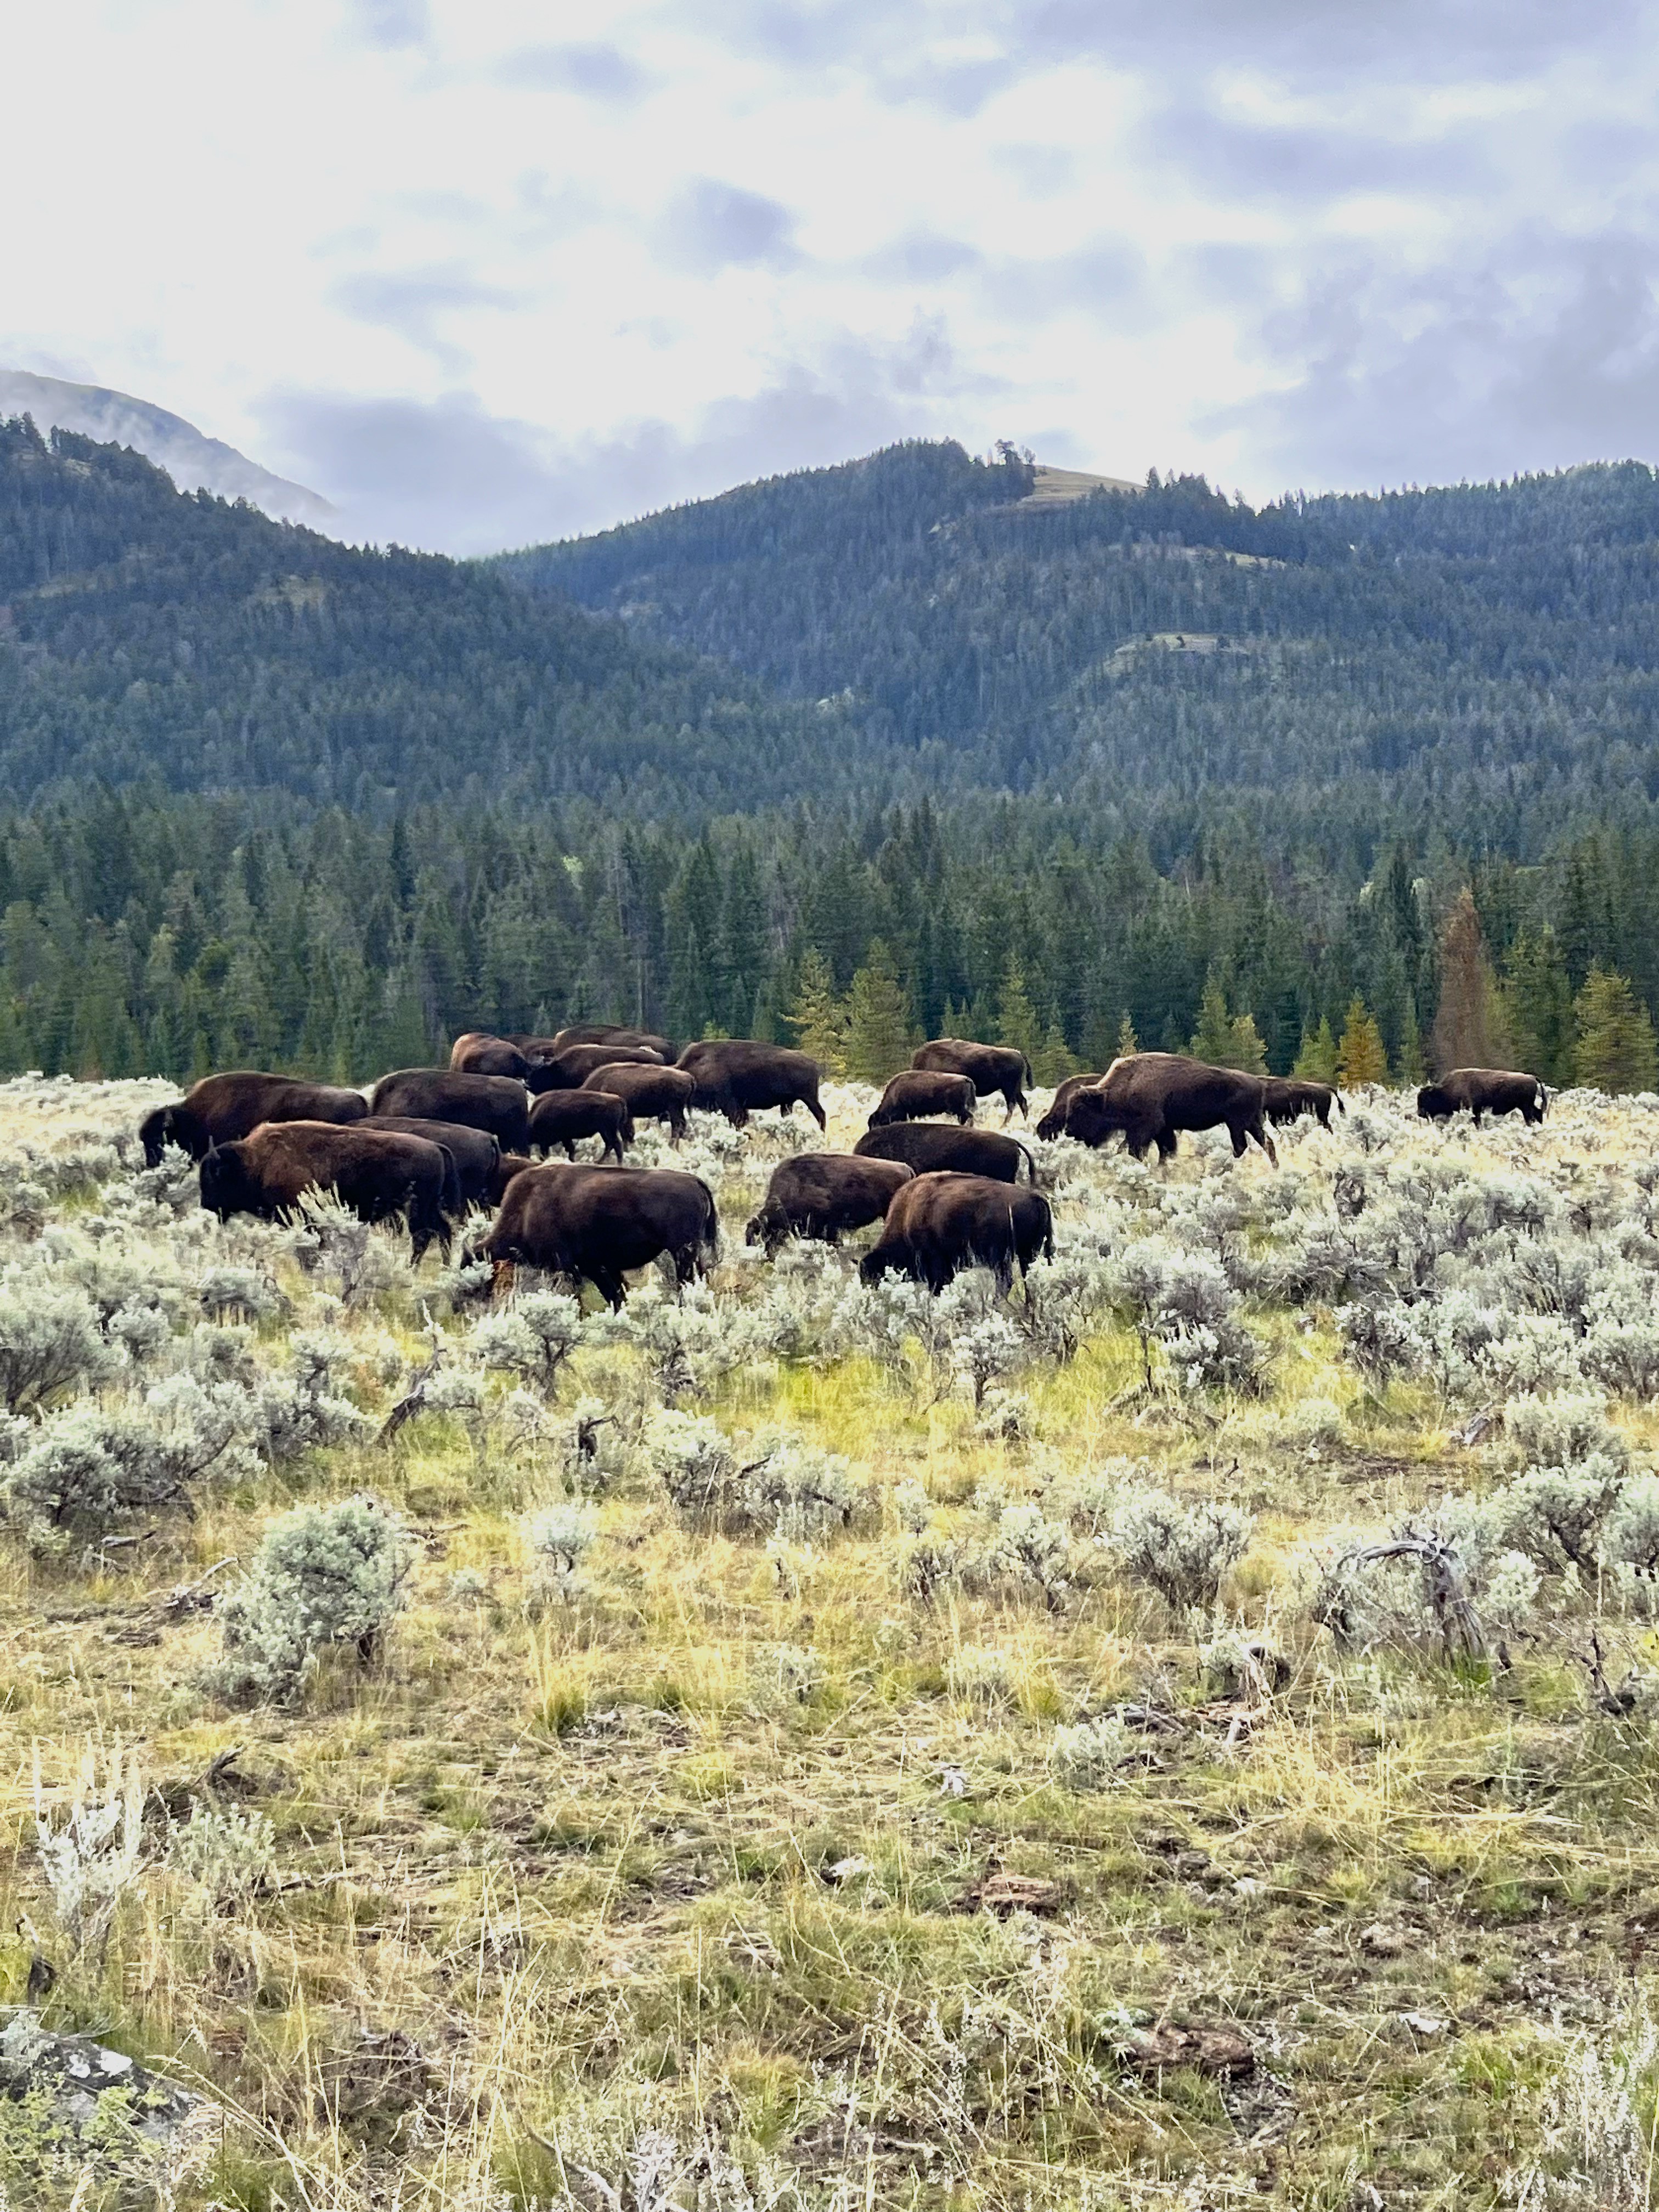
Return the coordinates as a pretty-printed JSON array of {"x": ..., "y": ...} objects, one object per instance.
[
  {"x": 940, "y": 1225},
  {"x": 822, "y": 1194},
  {"x": 560, "y": 1117},
  {"x": 916, "y": 1092},
  {"x": 1053, "y": 1123}
]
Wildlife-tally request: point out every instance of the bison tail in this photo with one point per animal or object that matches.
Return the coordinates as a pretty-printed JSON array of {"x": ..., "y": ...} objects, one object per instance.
[
  {"x": 1341, "y": 1107},
  {"x": 1031, "y": 1165},
  {"x": 452, "y": 1203},
  {"x": 1047, "y": 1248},
  {"x": 1543, "y": 1101},
  {"x": 709, "y": 1241}
]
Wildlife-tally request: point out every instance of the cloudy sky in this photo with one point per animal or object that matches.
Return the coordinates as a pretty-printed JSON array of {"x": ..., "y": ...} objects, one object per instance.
[{"x": 484, "y": 272}]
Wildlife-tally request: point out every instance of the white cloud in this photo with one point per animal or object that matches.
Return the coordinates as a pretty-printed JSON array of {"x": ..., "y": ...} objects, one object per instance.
[{"x": 476, "y": 283}]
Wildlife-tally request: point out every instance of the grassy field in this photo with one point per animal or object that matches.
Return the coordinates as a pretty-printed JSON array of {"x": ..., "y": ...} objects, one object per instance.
[{"x": 836, "y": 1750}]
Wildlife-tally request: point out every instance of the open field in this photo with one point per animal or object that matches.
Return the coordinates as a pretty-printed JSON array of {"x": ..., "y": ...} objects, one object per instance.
[{"x": 839, "y": 1749}]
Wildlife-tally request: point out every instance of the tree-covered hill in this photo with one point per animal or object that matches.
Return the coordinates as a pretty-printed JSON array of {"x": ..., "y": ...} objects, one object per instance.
[
  {"x": 1482, "y": 660},
  {"x": 148, "y": 635}
]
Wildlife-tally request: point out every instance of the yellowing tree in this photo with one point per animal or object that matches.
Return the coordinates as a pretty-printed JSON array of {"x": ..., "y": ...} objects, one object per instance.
[
  {"x": 1468, "y": 1022},
  {"x": 818, "y": 1015},
  {"x": 1616, "y": 1049},
  {"x": 879, "y": 1037},
  {"x": 1361, "y": 1057}
]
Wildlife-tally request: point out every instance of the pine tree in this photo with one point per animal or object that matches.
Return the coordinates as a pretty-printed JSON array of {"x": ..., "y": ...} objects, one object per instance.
[
  {"x": 1361, "y": 1056},
  {"x": 1054, "y": 1060},
  {"x": 1616, "y": 1049},
  {"x": 1127, "y": 1042},
  {"x": 1537, "y": 997},
  {"x": 816, "y": 1016},
  {"x": 1017, "y": 1017},
  {"x": 1468, "y": 1022},
  {"x": 1212, "y": 1039},
  {"x": 879, "y": 1036},
  {"x": 1410, "y": 1068}
]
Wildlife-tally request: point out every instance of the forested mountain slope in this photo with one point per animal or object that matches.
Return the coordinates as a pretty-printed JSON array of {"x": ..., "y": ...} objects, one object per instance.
[
  {"x": 1482, "y": 661},
  {"x": 148, "y": 635}
]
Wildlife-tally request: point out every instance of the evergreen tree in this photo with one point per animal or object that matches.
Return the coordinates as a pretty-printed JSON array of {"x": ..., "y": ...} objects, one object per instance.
[
  {"x": 1316, "y": 1062},
  {"x": 879, "y": 1037},
  {"x": 1361, "y": 1057},
  {"x": 1616, "y": 1049},
  {"x": 1537, "y": 996},
  {"x": 1054, "y": 1060},
  {"x": 1225, "y": 1040},
  {"x": 816, "y": 1016},
  {"x": 1017, "y": 1017},
  {"x": 1127, "y": 1043},
  {"x": 1409, "y": 1067}
]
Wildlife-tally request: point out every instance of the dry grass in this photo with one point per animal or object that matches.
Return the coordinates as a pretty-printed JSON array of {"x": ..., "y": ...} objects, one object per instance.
[{"x": 564, "y": 1886}]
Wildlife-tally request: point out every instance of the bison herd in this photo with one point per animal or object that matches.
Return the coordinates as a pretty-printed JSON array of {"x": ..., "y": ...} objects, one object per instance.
[{"x": 426, "y": 1145}]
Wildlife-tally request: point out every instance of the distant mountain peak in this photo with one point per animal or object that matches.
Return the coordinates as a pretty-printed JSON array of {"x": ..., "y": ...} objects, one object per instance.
[{"x": 194, "y": 461}]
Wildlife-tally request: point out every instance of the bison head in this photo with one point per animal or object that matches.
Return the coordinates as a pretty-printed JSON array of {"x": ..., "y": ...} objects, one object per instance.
[
  {"x": 1432, "y": 1102},
  {"x": 223, "y": 1181}
]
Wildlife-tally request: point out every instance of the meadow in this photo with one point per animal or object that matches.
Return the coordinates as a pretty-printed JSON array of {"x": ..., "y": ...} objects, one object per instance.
[{"x": 1184, "y": 1737}]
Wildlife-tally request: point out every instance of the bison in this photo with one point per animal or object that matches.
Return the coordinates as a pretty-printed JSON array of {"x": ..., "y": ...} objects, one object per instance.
[
  {"x": 222, "y": 1107},
  {"x": 820, "y": 1194},
  {"x": 570, "y": 1067},
  {"x": 594, "y": 1223},
  {"x": 1481, "y": 1091},
  {"x": 650, "y": 1094},
  {"x": 919, "y": 1091},
  {"x": 480, "y": 1053},
  {"x": 991, "y": 1067},
  {"x": 508, "y": 1165},
  {"x": 608, "y": 1033},
  {"x": 928, "y": 1146},
  {"x": 1053, "y": 1123},
  {"x": 474, "y": 1152},
  {"x": 1151, "y": 1095},
  {"x": 1287, "y": 1098},
  {"x": 497, "y": 1103},
  {"x": 377, "y": 1174},
  {"x": 560, "y": 1117},
  {"x": 734, "y": 1077},
  {"x": 937, "y": 1224}
]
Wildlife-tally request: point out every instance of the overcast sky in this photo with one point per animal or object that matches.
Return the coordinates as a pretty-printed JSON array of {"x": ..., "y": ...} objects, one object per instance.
[{"x": 484, "y": 272}]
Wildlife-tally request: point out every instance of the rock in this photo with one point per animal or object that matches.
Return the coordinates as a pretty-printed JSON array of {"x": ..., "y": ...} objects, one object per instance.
[
  {"x": 1212, "y": 2050},
  {"x": 1425, "y": 2024},
  {"x": 1383, "y": 1942},
  {"x": 848, "y": 1869},
  {"x": 98, "y": 2103},
  {"x": 953, "y": 1782},
  {"x": 1015, "y": 1892}
]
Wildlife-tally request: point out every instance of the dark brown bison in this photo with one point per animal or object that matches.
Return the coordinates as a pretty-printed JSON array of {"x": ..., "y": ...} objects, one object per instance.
[
  {"x": 1482, "y": 1091},
  {"x": 596, "y": 1224},
  {"x": 473, "y": 1151},
  {"x": 1288, "y": 1098},
  {"x": 937, "y": 1224},
  {"x": 377, "y": 1174},
  {"x": 570, "y": 1067},
  {"x": 931, "y": 1146},
  {"x": 221, "y": 1107},
  {"x": 1151, "y": 1095},
  {"x": 821, "y": 1194},
  {"x": 560, "y": 1117},
  {"x": 497, "y": 1103},
  {"x": 1053, "y": 1123},
  {"x": 610, "y": 1033},
  {"x": 650, "y": 1094},
  {"x": 992, "y": 1067},
  {"x": 737, "y": 1078},
  {"x": 508, "y": 1165},
  {"x": 917, "y": 1092},
  {"x": 479, "y": 1053}
]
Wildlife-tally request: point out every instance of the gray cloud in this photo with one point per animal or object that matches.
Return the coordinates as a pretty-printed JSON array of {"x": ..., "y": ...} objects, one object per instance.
[
  {"x": 1243, "y": 161},
  {"x": 920, "y": 257},
  {"x": 391, "y": 23},
  {"x": 1542, "y": 354},
  {"x": 449, "y": 476},
  {"x": 598, "y": 72},
  {"x": 710, "y": 226},
  {"x": 1106, "y": 279},
  {"x": 412, "y": 302}
]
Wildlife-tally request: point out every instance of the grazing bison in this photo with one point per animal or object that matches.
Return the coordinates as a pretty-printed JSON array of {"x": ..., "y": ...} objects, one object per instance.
[
  {"x": 497, "y": 1103},
  {"x": 221, "y": 1107},
  {"x": 650, "y": 1094},
  {"x": 560, "y": 1117},
  {"x": 929, "y": 1146},
  {"x": 821, "y": 1194},
  {"x": 610, "y": 1033},
  {"x": 1481, "y": 1091},
  {"x": 1053, "y": 1123},
  {"x": 992, "y": 1067},
  {"x": 1287, "y": 1098},
  {"x": 1151, "y": 1095},
  {"x": 508, "y": 1165},
  {"x": 937, "y": 1224},
  {"x": 595, "y": 1224},
  {"x": 479, "y": 1053},
  {"x": 377, "y": 1174},
  {"x": 474, "y": 1152},
  {"x": 570, "y": 1069},
  {"x": 737, "y": 1078},
  {"x": 919, "y": 1091}
]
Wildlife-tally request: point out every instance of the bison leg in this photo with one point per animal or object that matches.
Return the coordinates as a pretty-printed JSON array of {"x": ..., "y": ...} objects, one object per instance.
[
  {"x": 570, "y": 1148},
  {"x": 1264, "y": 1138},
  {"x": 816, "y": 1112},
  {"x": 609, "y": 1283}
]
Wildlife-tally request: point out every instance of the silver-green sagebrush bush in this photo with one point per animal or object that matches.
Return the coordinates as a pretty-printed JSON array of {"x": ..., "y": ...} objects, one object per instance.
[
  {"x": 1179, "y": 1546},
  {"x": 324, "y": 1576}
]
